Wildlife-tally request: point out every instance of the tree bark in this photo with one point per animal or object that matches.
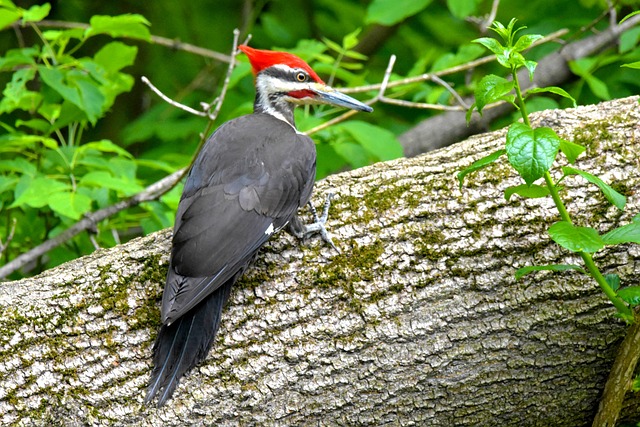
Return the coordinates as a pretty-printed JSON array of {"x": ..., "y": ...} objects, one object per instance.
[{"x": 418, "y": 322}]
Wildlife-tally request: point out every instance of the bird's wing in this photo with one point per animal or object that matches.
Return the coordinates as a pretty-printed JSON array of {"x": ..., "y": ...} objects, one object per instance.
[{"x": 249, "y": 180}]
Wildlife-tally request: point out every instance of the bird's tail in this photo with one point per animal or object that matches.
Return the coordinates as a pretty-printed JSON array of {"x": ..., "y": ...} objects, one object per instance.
[{"x": 184, "y": 343}]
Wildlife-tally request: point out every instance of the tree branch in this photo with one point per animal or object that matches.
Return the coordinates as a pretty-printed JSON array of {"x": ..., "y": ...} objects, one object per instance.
[
  {"x": 152, "y": 192},
  {"x": 163, "y": 41},
  {"x": 418, "y": 321},
  {"x": 445, "y": 129}
]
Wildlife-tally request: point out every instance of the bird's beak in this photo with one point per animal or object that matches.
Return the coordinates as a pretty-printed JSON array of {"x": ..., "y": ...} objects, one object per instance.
[{"x": 328, "y": 95}]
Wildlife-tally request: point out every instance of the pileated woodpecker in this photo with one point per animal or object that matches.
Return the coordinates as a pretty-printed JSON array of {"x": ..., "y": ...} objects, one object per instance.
[{"x": 248, "y": 182}]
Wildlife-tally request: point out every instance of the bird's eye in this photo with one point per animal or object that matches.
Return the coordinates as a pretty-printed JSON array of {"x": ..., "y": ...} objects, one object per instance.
[{"x": 301, "y": 77}]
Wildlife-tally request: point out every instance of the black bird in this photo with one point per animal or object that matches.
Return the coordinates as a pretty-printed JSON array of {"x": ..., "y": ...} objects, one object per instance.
[{"x": 248, "y": 182}]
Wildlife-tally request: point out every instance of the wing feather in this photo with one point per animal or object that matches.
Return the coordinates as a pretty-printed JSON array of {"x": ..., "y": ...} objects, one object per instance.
[{"x": 250, "y": 179}]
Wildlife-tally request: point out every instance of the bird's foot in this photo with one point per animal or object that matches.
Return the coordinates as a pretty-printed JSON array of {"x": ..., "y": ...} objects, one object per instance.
[{"x": 302, "y": 231}]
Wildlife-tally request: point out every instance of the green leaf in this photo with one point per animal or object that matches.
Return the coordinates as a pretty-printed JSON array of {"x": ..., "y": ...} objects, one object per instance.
[
  {"x": 389, "y": 12},
  {"x": 598, "y": 87},
  {"x": 571, "y": 150},
  {"x": 91, "y": 99},
  {"x": 70, "y": 204},
  {"x": 56, "y": 80},
  {"x": 551, "y": 267},
  {"x": 378, "y": 142},
  {"x": 16, "y": 96},
  {"x": 36, "y": 124},
  {"x": 352, "y": 153},
  {"x": 492, "y": 44},
  {"x": 37, "y": 191},
  {"x": 8, "y": 15},
  {"x": 613, "y": 280},
  {"x": 7, "y": 183},
  {"x": 351, "y": 40},
  {"x": 615, "y": 198},
  {"x": 630, "y": 294},
  {"x": 133, "y": 26},
  {"x": 526, "y": 41},
  {"x": 104, "y": 146},
  {"x": 102, "y": 179},
  {"x": 531, "y": 151},
  {"x": 629, "y": 40},
  {"x": 479, "y": 164},
  {"x": 575, "y": 238},
  {"x": 36, "y": 13},
  {"x": 493, "y": 88},
  {"x": 14, "y": 58},
  {"x": 553, "y": 89},
  {"x": 462, "y": 9},
  {"x": 115, "y": 56},
  {"x": 530, "y": 66},
  {"x": 466, "y": 53},
  {"x": 629, "y": 233},
  {"x": 18, "y": 165},
  {"x": 532, "y": 191},
  {"x": 635, "y": 65}
]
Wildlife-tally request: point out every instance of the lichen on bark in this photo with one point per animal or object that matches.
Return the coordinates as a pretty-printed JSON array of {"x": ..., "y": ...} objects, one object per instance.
[{"x": 419, "y": 321}]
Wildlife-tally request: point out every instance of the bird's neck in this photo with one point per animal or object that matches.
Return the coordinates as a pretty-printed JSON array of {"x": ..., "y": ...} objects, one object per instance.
[
  {"x": 272, "y": 100},
  {"x": 275, "y": 106}
]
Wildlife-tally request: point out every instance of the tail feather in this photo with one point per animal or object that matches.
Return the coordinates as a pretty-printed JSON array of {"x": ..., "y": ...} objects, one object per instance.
[{"x": 183, "y": 344}]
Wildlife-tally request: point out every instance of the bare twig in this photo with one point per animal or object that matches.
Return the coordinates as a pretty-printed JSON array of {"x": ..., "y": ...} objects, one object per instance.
[
  {"x": 232, "y": 63},
  {"x": 168, "y": 100},
  {"x": 349, "y": 113},
  {"x": 152, "y": 192},
  {"x": 387, "y": 76},
  {"x": 452, "y": 70},
  {"x": 492, "y": 16},
  {"x": 12, "y": 231},
  {"x": 452, "y": 91},
  {"x": 171, "y": 43}
]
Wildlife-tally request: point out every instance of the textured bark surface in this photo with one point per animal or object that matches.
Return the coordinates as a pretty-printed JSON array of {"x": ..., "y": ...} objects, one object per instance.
[{"x": 419, "y": 322}]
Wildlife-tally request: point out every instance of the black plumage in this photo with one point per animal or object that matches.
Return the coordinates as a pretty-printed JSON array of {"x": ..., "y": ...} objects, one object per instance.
[
  {"x": 247, "y": 182},
  {"x": 244, "y": 186}
]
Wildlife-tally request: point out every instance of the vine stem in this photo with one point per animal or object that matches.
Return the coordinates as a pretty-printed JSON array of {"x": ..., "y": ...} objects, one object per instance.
[{"x": 592, "y": 268}]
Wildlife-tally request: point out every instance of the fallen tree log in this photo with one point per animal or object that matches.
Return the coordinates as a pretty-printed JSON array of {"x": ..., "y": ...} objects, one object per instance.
[{"x": 418, "y": 322}]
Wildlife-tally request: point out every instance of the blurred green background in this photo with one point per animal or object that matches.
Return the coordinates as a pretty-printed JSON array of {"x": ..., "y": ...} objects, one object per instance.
[{"x": 52, "y": 173}]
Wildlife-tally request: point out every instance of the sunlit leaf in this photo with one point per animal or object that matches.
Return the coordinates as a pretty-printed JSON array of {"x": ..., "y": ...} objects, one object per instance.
[
  {"x": 575, "y": 238},
  {"x": 615, "y": 198},
  {"x": 37, "y": 191},
  {"x": 379, "y": 142},
  {"x": 70, "y": 204},
  {"x": 493, "y": 88},
  {"x": 389, "y": 12},
  {"x": 129, "y": 25},
  {"x": 630, "y": 294},
  {"x": 552, "y": 267},
  {"x": 532, "y": 191},
  {"x": 115, "y": 56},
  {"x": 555, "y": 90},
  {"x": 571, "y": 150},
  {"x": 479, "y": 164},
  {"x": 531, "y": 151},
  {"x": 36, "y": 13},
  {"x": 629, "y": 233}
]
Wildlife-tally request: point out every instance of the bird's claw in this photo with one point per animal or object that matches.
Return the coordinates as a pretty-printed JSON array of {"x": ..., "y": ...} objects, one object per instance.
[{"x": 318, "y": 225}]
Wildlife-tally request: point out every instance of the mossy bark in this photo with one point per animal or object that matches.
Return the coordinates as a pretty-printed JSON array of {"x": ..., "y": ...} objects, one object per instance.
[{"x": 419, "y": 322}]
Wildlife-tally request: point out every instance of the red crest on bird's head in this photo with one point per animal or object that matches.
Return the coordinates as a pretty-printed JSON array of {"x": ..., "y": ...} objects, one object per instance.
[{"x": 262, "y": 59}]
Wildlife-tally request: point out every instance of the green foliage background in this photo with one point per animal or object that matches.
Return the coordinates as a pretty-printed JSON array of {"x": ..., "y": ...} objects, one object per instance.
[{"x": 79, "y": 131}]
